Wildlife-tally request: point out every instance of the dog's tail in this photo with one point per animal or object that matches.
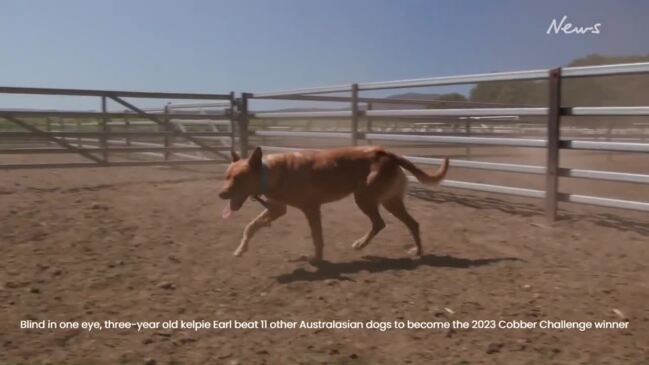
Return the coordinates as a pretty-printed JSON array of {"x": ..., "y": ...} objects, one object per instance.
[{"x": 421, "y": 175}]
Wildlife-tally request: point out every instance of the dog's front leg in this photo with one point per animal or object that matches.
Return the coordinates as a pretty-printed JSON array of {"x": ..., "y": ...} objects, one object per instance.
[
  {"x": 273, "y": 212},
  {"x": 315, "y": 223}
]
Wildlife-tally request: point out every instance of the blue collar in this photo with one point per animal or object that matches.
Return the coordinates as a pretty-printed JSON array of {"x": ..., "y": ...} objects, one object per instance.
[{"x": 264, "y": 178}]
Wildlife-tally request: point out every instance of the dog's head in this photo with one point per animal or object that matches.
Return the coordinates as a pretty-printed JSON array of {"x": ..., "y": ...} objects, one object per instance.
[{"x": 242, "y": 179}]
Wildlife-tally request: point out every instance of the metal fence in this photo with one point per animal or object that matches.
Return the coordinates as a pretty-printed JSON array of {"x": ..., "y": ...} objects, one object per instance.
[
  {"x": 98, "y": 136},
  {"x": 552, "y": 142},
  {"x": 118, "y": 132}
]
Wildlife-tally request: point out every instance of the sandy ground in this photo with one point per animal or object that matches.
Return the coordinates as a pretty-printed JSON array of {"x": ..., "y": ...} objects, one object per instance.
[{"x": 147, "y": 244}]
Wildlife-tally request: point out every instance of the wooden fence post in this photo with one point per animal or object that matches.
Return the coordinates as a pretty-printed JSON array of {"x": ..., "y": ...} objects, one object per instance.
[{"x": 553, "y": 145}]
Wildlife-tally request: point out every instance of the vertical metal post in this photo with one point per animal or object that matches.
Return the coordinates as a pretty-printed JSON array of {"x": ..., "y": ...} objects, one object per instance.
[
  {"x": 355, "y": 113},
  {"x": 609, "y": 133},
  {"x": 78, "y": 130},
  {"x": 243, "y": 124},
  {"x": 553, "y": 135},
  {"x": 104, "y": 131},
  {"x": 48, "y": 127},
  {"x": 369, "y": 122},
  {"x": 127, "y": 127},
  {"x": 232, "y": 101},
  {"x": 167, "y": 130},
  {"x": 467, "y": 130}
]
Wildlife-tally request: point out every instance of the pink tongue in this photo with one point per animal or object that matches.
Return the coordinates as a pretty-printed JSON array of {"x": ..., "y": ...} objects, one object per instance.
[{"x": 227, "y": 212}]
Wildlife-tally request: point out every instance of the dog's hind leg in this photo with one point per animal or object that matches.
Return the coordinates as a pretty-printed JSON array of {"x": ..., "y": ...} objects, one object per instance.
[
  {"x": 395, "y": 206},
  {"x": 273, "y": 212},
  {"x": 370, "y": 207}
]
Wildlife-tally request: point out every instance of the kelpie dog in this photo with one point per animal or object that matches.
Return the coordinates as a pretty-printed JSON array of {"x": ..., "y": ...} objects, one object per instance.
[{"x": 309, "y": 178}]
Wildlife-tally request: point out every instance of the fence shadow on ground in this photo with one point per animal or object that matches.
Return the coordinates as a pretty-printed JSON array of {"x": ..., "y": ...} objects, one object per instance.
[
  {"x": 373, "y": 264},
  {"x": 608, "y": 220}
]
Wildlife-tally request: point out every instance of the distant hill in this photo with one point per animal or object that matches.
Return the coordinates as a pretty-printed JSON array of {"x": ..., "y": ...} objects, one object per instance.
[
  {"x": 442, "y": 98},
  {"x": 415, "y": 96},
  {"x": 623, "y": 90},
  {"x": 626, "y": 90},
  {"x": 406, "y": 96}
]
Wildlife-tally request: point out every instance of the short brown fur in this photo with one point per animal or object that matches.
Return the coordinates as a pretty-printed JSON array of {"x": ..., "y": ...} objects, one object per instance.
[{"x": 310, "y": 178}]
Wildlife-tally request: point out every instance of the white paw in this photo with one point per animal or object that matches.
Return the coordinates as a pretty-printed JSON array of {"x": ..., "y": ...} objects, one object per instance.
[
  {"x": 414, "y": 251},
  {"x": 358, "y": 244},
  {"x": 238, "y": 252}
]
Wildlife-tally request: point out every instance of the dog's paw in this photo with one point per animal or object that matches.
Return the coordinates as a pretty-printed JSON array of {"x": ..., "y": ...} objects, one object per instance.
[
  {"x": 358, "y": 244},
  {"x": 316, "y": 261},
  {"x": 415, "y": 251},
  {"x": 238, "y": 253}
]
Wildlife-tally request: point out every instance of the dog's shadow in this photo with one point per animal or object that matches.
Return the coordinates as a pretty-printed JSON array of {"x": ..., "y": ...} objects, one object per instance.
[{"x": 337, "y": 270}]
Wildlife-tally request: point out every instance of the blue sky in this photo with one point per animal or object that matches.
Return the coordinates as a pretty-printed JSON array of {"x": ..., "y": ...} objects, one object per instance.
[{"x": 261, "y": 45}]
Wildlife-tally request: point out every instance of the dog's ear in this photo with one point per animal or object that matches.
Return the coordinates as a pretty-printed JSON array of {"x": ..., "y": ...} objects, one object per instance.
[
  {"x": 235, "y": 157},
  {"x": 255, "y": 159}
]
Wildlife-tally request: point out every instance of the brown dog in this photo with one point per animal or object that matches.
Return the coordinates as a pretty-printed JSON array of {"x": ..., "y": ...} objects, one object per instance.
[{"x": 310, "y": 178}]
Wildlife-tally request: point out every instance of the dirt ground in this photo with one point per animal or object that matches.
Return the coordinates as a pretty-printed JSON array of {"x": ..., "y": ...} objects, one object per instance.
[{"x": 148, "y": 244}]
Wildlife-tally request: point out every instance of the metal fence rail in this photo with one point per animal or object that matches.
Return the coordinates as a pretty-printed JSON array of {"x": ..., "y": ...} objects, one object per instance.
[
  {"x": 605, "y": 70},
  {"x": 552, "y": 142},
  {"x": 85, "y": 115},
  {"x": 96, "y": 137},
  {"x": 173, "y": 122},
  {"x": 112, "y": 93}
]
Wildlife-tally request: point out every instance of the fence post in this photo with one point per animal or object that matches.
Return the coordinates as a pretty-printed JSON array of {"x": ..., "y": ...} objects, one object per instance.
[
  {"x": 553, "y": 144},
  {"x": 167, "y": 130},
  {"x": 104, "y": 130},
  {"x": 243, "y": 124},
  {"x": 354, "y": 114},
  {"x": 467, "y": 131},
  {"x": 369, "y": 122},
  {"x": 78, "y": 130},
  {"x": 609, "y": 132},
  {"x": 232, "y": 115},
  {"x": 127, "y": 128}
]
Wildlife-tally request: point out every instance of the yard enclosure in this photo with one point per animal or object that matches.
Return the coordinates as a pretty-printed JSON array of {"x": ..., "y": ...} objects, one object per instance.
[
  {"x": 88, "y": 237},
  {"x": 495, "y": 139}
]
